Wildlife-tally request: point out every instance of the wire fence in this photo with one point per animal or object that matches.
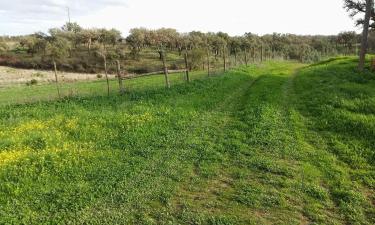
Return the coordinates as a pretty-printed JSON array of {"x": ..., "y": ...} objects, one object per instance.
[{"x": 93, "y": 85}]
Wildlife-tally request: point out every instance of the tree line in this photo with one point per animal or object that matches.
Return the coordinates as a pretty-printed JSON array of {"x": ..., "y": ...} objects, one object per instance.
[
  {"x": 108, "y": 50},
  {"x": 94, "y": 48},
  {"x": 106, "y": 44}
]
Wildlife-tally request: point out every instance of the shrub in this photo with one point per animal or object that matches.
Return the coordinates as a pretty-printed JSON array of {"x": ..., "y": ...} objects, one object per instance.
[{"x": 32, "y": 82}]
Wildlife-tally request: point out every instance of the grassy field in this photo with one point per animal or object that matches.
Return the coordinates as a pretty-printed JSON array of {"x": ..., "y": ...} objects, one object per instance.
[
  {"x": 277, "y": 143},
  {"x": 21, "y": 93}
]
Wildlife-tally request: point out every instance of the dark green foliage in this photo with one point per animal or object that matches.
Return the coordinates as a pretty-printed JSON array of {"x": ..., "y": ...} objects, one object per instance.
[{"x": 32, "y": 82}]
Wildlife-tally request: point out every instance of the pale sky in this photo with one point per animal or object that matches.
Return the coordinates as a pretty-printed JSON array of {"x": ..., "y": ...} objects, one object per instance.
[{"x": 232, "y": 16}]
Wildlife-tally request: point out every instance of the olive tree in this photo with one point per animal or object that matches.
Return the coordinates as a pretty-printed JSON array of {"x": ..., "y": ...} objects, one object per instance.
[
  {"x": 207, "y": 45},
  {"x": 88, "y": 37},
  {"x": 348, "y": 39},
  {"x": 163, "y": 39},
  {"x": 106, "y": 39},
  {"x": 57, "y": 48},
  {"x": 137, "y": 40},
  {"x": 235, "y": 47}
]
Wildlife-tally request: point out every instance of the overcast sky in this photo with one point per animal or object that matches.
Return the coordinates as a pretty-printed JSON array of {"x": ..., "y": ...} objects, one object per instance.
[{"x": 232, "y": 16}]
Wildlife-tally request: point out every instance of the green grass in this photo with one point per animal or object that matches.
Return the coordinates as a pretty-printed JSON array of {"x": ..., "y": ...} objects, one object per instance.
[
  {"x": 277, "y": 143},
  {"x": 41, "y": 93}
]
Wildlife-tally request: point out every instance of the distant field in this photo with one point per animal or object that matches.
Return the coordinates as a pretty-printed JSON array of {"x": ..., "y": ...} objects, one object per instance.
[{"x": 275, "y": 143}]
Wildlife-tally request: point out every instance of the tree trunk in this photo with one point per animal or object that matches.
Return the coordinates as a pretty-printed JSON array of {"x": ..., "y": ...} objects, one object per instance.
[
  {"x": 167, "y": 83},
  {"x": 160, "y": 55},
  {"x": 261, "y": 54},
  {"x": 106, "y": 73},
  {"x": 56, "y": 79},
  {"x": 235, "y": 59},
  {"x": 187, "y": 66},
  {"x": 224, "y": 60},
  {"x": 89, "y": 46},
  {"x": 119, "y": 77},
  {"x": 366, "y": 24}
]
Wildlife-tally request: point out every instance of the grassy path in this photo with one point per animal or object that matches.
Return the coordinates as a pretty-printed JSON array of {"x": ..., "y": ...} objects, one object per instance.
[{"x": 247, "y": 147}]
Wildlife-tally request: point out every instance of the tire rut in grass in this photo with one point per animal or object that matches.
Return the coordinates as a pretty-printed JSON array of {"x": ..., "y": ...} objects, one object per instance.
[
  {"x": 242, "y": 161},
  {"x": 212, "y": 188}
]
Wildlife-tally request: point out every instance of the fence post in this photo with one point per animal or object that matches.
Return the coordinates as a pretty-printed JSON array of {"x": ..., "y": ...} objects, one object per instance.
[
  {"x": 106, "y": 72},
  {"x": 56, "y": 79},
  {"x": 120, "y": 81},
  {"x": 168, "y": 84},
  {"x": 208, "y": 62},
  {"x": 187, "y": 67}
]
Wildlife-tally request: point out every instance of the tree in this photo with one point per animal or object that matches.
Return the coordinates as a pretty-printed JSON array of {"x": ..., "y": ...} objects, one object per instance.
[
  {"x": 72, "y": 27},
  {"x": 235, "y": 47},
  {"x": 105, "y": 39},
  {"x": 253, "y": 42},
  {"x": 208, "y": 46},
  {"x": 137, "y": 40},
  {"x": 87, "y": 37},
  {"x": 366, "y": 24},
  {"x": 348, "y": 39},
  {"x": 184, "y": 44},
  {"x": 57, "y": 48},
  {"x": 108, "y": 37},
  {"x": 161, "y": 40},
  {"x": 102, "y": 52},
  {"x": 245, "y": 47},
  {"x": 30, "y": 43},
  {"x": 197, "y": 58},
  {"x": 358, "y": 7}
]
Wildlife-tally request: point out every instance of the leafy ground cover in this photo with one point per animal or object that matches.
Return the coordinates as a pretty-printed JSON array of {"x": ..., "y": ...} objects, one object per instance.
[{"x": 276, "y": 143}]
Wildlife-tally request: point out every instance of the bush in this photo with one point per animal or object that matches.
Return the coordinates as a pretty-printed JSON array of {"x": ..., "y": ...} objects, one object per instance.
[
  {"x": 78, "y": 67},
  {"x": 32, "y": 82},
  {"x": 147, "y": 68}
]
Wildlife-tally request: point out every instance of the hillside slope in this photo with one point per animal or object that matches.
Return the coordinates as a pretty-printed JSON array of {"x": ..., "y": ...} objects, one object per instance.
[{"x": 277, "y": 143}]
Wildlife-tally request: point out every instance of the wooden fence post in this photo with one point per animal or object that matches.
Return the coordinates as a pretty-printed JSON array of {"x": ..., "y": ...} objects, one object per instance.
[
  {"x": 187, "y": 66},
  {"x": 167, "y": 83},
  {"x": 56, "y": 79},
  {"x": 119, "y": 76},
  {"x": 208, "y": 63},
  {"x": 106, "y": 72}
]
